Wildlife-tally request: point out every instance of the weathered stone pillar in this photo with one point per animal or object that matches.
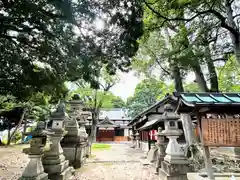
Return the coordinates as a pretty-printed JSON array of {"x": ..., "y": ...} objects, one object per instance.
[
  {"x": 54, "y": 161},
  {"x": 137, "y": 137},
  {"x": 161, "y": 149},
  {"x": 34, "y": 169},
  {"x": 175, "y": 164},
  {"x": 72, "y": 143},
  {"x": 132, "y": 141},
  {"x": 83, "y": 134}
]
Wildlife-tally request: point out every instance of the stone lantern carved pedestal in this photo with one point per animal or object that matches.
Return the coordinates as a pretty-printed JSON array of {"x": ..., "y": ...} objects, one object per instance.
[
  {"x": 161, "y": 146},
  {"x": 54, "y": 161},
  {"x": 175, "y": 164},
  {"x": 34, "y": 169}
]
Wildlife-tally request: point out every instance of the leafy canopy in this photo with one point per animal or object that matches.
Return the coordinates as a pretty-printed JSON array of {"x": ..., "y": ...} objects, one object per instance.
[
  {"x": 146, "y": 93},
  {"x": 47, "y": 42}
]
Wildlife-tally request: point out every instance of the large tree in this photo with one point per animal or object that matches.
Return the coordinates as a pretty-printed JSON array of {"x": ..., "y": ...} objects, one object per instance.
[
  {"x": 224, "y": 14},
  {"x": 47, "y": 42},
  {"x": 178, "y": 45}
]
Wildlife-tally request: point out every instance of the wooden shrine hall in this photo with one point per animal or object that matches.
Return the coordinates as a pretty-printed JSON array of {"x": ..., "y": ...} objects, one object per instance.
[
  {"x": 212, "y": 115},
  {"x": 112, "y": 125}
]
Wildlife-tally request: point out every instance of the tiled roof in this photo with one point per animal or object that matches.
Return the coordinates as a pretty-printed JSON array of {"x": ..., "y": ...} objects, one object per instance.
[
  {"x": 192, "y": 99},
  {"x": 113, "y": 114},
  {"x": 166, "y": 99},
  {"x": 186, "y": 102}
]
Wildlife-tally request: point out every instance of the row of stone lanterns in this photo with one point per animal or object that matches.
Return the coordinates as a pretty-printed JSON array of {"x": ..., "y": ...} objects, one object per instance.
[
  {"x": 69, "y": 145},
  {"x": 171, "y": 162}
]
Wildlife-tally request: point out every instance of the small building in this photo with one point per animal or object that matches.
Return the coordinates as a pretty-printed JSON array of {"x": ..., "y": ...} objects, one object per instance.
[
  {"x": 188, "y": 106},
  {"x": 112, "y": 125},
  {"x": 148, "y": 121}
]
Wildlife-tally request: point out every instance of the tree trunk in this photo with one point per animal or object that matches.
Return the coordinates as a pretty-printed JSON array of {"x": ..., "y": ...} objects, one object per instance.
[
  {"x": 177, "y": 79},
  {"x": 93, "y": 134},
  {"x": 175, "y": 68},
  {"x": 237, "y": 51},
  {"x": 235, "y": 37},
  {"x": 199, "y": 77},
  {"x": 194, "y": 63},
  {"x": 212, "y": 76},
  {"x": 15, "y": 130}
]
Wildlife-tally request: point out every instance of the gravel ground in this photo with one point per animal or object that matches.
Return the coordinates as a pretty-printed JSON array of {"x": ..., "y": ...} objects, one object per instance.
[
  {"x": 12, "y": 162},
  {"x": 118, "y": 163}
]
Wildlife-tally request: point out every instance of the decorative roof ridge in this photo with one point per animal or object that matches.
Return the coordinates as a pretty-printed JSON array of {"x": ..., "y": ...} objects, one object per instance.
[
  {"x": 106, "y": 120},
  {"x": 167, "y": 97}
]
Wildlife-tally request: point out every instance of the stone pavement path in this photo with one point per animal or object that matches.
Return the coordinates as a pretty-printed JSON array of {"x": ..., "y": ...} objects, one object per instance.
[{"x": 118, "y": 163}]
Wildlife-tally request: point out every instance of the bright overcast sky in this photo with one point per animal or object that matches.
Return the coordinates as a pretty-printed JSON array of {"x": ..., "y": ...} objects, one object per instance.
[
  {"x": 128, "y": 81},
  {"x": 125, "y": 88}
]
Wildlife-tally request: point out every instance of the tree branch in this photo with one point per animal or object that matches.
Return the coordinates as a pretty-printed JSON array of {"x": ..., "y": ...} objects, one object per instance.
[
  {"x": 176, "y": 18},
  {"x": 223, "y": 23},
  {"x": 211, "y": 11},
  {"x": 236, "y": 16},
  {"x": 167, "y": 72}
]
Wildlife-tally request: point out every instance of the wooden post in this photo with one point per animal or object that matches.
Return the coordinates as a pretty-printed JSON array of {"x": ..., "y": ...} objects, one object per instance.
[{"x": 206, "y": 153}]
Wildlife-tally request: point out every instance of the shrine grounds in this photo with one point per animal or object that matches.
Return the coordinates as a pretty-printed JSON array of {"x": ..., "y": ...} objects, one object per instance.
[{"x": 107, "y": 162}]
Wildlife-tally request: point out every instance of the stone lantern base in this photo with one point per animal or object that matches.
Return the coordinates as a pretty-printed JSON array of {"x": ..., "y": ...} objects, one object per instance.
[
  {"x": 74, "y": 149},
  {"x": 42, "y": 176},
  {"x": 75, "y": 154},
  {"x": 60, "y": 171},
  {"x": 55, "y": 163},
  {"x": 34, "y": 170},
  {"x": 173, "y": 171}
]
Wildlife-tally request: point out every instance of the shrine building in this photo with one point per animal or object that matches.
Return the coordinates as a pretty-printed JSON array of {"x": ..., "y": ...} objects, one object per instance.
[
  {"x": 112, "y": 125},
  {"x": 190, "y": 106}
]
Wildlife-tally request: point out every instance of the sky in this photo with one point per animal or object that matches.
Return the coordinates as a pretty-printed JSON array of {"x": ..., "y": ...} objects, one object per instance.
[
  {"x": 128, "y": 81},
  {"x": 125, "y": 87}
]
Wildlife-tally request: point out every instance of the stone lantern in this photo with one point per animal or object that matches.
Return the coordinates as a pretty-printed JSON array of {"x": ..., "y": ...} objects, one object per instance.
[
  {"x": 82, "y": 121},
  {"x": 71, "y": 140},
  {"x": 137, "y": 136},
  {"x": 83, "y": 134},
  {"x": 161, "y": 148},
  {"x": 175, "y": 164},
  {"x": 132, "y": 140},
  {"x": 34, "y": 169},
  {"x": 174, "y": 152},
  {"x": 54, "y": 161},
  {"x": 76, "y": 104}
]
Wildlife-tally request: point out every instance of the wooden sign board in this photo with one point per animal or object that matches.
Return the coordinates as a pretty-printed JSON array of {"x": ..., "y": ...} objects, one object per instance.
[{"x": 221, "y": 132}]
